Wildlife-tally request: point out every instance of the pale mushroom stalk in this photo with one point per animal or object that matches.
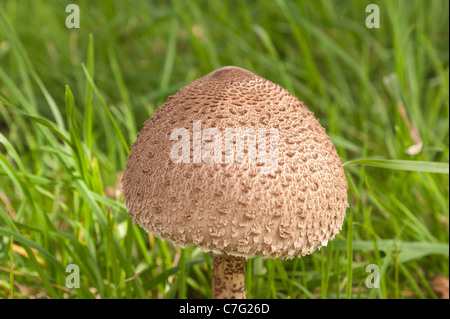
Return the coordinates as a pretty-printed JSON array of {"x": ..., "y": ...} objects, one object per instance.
[{"x": 228, "y": 278}]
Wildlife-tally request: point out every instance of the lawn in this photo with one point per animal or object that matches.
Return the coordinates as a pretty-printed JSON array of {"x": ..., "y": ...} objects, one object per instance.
[{"x": 73, "y": 100}]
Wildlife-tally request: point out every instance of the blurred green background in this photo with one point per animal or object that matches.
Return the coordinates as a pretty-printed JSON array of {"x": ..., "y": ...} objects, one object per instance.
[{"x": 73, "y": 100}]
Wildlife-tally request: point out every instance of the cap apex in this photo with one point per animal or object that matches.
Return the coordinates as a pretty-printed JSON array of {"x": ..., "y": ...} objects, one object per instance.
[{"x": 229, "y": 72}]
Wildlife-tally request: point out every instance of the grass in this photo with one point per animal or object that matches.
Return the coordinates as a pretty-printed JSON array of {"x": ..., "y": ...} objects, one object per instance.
[{"x": 74, "y": 100}]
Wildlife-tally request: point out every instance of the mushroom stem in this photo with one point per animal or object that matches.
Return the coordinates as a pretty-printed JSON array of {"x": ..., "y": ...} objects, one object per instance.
[{"x": 228, "y": 278}]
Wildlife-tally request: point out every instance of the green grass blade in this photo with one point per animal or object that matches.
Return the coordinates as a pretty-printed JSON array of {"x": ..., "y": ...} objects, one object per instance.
[{"x": 403, "y": 165}]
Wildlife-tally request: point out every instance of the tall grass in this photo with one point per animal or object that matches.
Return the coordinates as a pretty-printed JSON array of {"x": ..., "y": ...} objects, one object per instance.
[{"x": 74, "y": 100}]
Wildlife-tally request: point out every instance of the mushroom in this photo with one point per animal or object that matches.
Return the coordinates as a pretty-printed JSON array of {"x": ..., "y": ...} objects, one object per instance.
[{"x": 185, "y": 181}]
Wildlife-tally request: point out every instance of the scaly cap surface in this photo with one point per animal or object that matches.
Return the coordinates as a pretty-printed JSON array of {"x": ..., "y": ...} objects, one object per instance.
[{"x": 235, "y": 208}]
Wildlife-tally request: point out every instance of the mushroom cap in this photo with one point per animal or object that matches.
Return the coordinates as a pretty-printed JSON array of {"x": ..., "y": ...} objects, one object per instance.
[{"x": 237, "y": 207}]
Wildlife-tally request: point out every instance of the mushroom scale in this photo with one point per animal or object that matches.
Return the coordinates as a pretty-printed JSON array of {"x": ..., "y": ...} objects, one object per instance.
[{"x": 237, "y": 208}]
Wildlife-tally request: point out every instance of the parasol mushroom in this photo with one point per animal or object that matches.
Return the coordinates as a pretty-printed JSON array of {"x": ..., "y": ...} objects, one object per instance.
[{"x": 194, "y": 175}]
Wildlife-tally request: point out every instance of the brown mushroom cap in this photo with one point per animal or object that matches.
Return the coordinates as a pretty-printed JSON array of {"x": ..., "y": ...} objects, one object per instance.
[{"x": 236, "y": 208}]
